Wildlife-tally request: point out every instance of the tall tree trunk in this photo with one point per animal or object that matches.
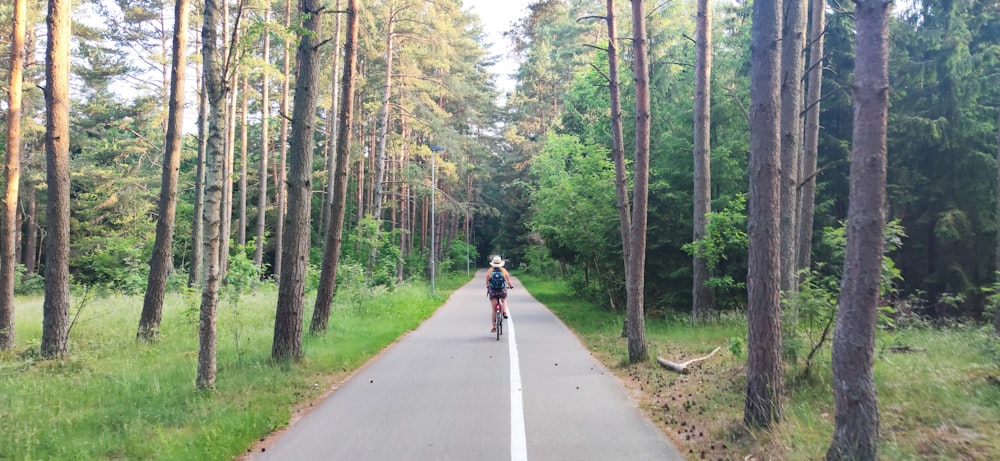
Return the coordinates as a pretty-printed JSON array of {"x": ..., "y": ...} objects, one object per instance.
[
  {"x": 161, "y": 261},
  {"x": 241, "y": 232},
  {"x": 215, "y": 91},
  {"x": 617, "y": 147},
  {"x": 383, "y": 131},
  {"x": 279, "y": 233},
  {"x": 331, "y": 157},
  {"x": 230, "y": 162},
  {"x": 764, "y": 379},
  {"x": 640, "y": 193},
  {"x": 702, "y": 302},
  {"x": 331, "y": 248},
  {"x": 265, "y": 150},
  {"x": 792, "y": 46},
  {"x": 378, "y": 189},
  {"x": 30, "y": 253},
  {"x": 291, "y": 289},
  {"x": 856, "y": 425},
  {"x": 195, "y": 273},
  {"x": 814, "y": 93},
  {"x": 55, "y": 309},
  {"x": 8, "y": 242}
]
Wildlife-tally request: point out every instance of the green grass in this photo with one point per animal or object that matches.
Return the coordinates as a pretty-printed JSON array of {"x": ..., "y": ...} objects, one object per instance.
[
  {"x": 115, "y": 398},
  {"x": 941, "y": 403}
]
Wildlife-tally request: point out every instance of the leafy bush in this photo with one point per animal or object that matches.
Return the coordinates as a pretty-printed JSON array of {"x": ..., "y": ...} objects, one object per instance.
[
  {"x": 725, "y": 237},
  {"x": 810, "y": 313}
]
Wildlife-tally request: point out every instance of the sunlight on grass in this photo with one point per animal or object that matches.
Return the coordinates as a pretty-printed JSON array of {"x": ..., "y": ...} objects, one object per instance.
[{"x": 115, "y": 398}]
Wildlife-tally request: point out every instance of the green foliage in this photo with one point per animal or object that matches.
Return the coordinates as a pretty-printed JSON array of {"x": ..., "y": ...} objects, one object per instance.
[
  {"x": 725, "y": 238},
  {"x": 369, "y": 243},
  {"x": 115, "y": 263},
  {"x": 809, "y": 315}
]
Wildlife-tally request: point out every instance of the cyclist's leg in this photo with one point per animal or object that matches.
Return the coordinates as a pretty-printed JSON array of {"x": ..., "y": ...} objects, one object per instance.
[{"x": 493, "y": 307}]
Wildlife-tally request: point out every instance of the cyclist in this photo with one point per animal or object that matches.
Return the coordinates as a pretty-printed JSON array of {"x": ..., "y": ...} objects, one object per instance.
[{"x": 497, "y": 282}]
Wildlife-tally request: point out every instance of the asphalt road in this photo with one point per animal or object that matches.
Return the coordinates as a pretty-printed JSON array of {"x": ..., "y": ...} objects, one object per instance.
[{"x": 450, "y": 391}]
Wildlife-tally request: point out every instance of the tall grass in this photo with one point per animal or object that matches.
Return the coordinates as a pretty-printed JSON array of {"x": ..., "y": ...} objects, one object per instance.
[
  {"x": 115, "y": 398},
  {"x": 940, "y": 402}
]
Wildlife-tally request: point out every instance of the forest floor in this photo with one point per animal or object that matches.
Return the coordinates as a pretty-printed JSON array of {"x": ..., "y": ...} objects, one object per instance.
[{"x": 938, "y": 391}]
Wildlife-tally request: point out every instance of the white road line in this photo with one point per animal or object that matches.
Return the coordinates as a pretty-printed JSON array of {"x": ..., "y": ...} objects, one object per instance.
[{"x": 518, "y": 441}]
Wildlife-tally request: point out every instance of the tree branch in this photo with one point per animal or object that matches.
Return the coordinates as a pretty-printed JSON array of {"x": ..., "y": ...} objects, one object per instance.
[{"x": 682, "y": 368}]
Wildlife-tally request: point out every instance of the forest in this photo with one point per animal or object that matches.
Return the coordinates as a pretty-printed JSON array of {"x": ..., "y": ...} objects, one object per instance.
[{"x": 648, "y": 153}]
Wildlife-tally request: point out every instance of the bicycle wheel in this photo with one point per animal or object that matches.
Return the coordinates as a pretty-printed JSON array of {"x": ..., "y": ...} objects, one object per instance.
[{"x": 498, "y": 317}]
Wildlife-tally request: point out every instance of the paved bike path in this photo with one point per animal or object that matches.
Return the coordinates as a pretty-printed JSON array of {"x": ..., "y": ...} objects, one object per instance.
[{"x": 445, "y": 392}]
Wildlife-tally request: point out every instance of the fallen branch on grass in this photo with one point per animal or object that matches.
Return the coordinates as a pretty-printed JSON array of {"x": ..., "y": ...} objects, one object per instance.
[
  {"x": 682, "y": 368},
  {"x": 900, "y": 349}
]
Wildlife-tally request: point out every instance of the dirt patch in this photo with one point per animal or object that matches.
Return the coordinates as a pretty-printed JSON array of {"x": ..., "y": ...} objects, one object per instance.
[{"x": 695, "y": 410}]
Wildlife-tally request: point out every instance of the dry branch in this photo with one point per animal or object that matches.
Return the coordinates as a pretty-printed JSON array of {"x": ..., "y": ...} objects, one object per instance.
[{"x": 682, "y": 368}]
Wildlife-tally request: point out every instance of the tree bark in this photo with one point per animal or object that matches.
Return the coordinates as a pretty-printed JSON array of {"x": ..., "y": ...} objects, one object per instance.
[
  {"x": 814, "y": 93},
  {"x": 196, "y": 271},
  {"x": 279, "y": 232},
  {"x": 702, "y": 303},
  {"x": 265, "y": 150},
  {"x": 640, "y": 193},
  {"x": 230, "y": 160},
  {"x": 215, "y": 91},
  {"x": 764, "y": 375},
  {"x": 291, "y": 289},
  {"x": 30, "y": 253},
  {"x": 55, "y": 309},
  {"x": 331, "y": 248},
  {"x": 8, "y": 241},
  {"x": 856, "y": 425},
  {"x": 331, "y": 157},
  {"x": 383, "y": 131},
  {"x": 241, "y": 232},
  {"x": 792, "y": 46},
  {"x": 617, "y": 147},
  {"x": 161, "y": 262}
]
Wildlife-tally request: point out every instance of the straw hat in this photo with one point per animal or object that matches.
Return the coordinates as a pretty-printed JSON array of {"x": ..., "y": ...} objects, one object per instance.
[{"x": 497, "y": 262}]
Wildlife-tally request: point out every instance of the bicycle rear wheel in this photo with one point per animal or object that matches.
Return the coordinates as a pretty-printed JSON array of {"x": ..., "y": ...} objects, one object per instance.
[{"x": 498, "y": 318}]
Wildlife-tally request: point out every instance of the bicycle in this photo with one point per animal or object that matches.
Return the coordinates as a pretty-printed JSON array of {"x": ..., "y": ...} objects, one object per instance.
[{"x": 498, "y": 319}]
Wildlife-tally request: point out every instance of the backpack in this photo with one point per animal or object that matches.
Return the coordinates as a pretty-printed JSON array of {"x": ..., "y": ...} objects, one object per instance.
[{"x": 497, "y": 281}]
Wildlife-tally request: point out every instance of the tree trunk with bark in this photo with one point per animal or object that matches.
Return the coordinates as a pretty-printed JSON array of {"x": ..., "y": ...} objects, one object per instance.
[
  {"x": 814, "y": 93},
  {"x": 702, "y": 303},
  {"x": 856, "y": 424},
  {"x": 265, "y": 150},
  {"x": 331, "y": 248},
  {"x": 617, "y": 147},
  {"x": 640, "y": 194},
  {"x": 196, "y": 271},
  {"x": 215, "y": 92},
  {"x": 161, "y": 262},
  {"x": 241, "y": 231},
  {"x": 291, "y": 289},
  {"x": 331, "y": 157},
  {"x": 792, "y": 46},
  {"x": 8, "y": 242},
  {"x": 279, "y": 232},
  {"x": 383, "y": 132},
  {"x": 764, "y": 375},
  {"x": 55, "y": 309}
]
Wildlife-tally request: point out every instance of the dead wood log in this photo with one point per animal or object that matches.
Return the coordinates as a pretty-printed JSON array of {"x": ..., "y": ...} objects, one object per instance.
[{"x": 682, "y": 368}]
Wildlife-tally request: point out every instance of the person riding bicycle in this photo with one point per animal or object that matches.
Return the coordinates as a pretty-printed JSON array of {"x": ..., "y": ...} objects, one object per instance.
[{"x": 497, "y": 282}]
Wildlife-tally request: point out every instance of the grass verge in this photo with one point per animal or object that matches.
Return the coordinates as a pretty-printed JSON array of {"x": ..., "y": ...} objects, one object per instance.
[
  {"x": 941, "y": 402},
  {"x": 114, "y": 398}
]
